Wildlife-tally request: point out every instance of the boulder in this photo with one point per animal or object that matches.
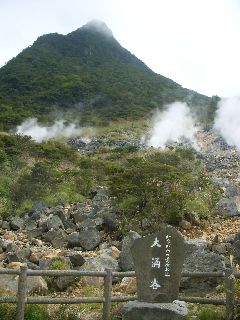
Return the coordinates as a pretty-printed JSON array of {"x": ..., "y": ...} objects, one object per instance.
[
  {"x": 186, "y": 225},
  {"x": 99, "y": 263},
  {"x": 135, "y": 310},
  {"x": 89, "y": 238},
  {"x": 110, "y": 221},
  {"x": 18, "y": 254},
  {"x": 54, "y": 223},
  {"x": 73, "y": 240},
  {"x": 82, "y": 213},
  {"x": 16, "y": 223},
  {"x": 5, "y": 225},
  {"x": 126, "y": 260},
  {"x": 228, "y": 206},
  {"x": 30, "y": 224},
  {"x": 128, "y": 285},
  {"x": 35, "y": 233},
  {"x": 63, "y": 282},
  {"x": 35, "y": 284},
  {"x": 198, "y": 258},
  {"x": 86, "y": 225},
  {"x": 76, "y": 259},
  {"x": 58, "y": 238}
]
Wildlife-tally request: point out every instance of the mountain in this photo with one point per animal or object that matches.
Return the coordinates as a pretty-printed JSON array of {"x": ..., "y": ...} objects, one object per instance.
[{"x": 86, "y": 74}]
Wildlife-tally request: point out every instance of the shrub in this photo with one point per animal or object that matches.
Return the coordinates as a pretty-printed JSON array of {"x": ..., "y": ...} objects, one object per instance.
[
  {"x": 7, "y": 311},
  {"x": 35, "y": 312},
  {"x": 210, "y": 314}
]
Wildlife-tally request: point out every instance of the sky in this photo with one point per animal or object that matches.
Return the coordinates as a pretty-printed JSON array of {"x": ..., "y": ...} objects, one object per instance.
[{"x": 193, "y": 42}]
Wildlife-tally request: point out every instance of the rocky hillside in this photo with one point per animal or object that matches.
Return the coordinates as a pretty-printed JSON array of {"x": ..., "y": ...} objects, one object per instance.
[
  {"x": 223, "y": 164},
  {"x": 91, "y": 234}
]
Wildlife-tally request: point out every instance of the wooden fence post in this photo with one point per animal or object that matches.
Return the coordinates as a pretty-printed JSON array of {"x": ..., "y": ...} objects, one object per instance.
[
  {"x": 21, "y": 294},
  {"x": 229, "y": 277},
  {"x": 107, "y": 294}
]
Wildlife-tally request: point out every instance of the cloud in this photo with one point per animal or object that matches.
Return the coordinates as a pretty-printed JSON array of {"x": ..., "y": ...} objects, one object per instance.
[
  {"x": 227, "y": 120},
  {"x": 39, "y": 133},
  {"x": 172, "y": 124}
]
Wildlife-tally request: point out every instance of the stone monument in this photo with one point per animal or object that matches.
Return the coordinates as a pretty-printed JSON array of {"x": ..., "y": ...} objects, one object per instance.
[{"x": 158, "y": 261}]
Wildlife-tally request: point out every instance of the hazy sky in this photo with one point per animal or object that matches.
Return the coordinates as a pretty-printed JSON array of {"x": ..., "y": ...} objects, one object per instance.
[{"x": 194, "y": 42}]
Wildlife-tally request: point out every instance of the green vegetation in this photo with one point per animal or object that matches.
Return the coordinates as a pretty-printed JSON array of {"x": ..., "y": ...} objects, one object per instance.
[
  {"x": 58, "y": 264},
  {"x": 153, "y": 184},
  {"x": 32, "y": 312},
  {"x": 209, "y": 314},
  {"x": 86, "y": 75}
]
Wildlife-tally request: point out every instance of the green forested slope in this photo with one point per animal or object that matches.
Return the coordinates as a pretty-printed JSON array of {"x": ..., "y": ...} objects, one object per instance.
[{"x": 86, "y": 73}]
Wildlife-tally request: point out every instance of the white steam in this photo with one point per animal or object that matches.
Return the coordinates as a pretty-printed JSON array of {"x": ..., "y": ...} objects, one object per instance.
[
  {"x": 171, "y": 125},
  {"x": 227, "y": 120},
  {"x": 39, "y": 133},
  {"x": 100, "y": 27}
]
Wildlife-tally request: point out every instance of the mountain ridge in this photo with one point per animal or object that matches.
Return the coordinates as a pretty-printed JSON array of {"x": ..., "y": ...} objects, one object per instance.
[{"x": 86, "y": 73}]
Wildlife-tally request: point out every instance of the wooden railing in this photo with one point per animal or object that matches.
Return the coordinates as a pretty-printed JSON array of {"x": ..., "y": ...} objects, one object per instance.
[{"x": 21, "y": 299}]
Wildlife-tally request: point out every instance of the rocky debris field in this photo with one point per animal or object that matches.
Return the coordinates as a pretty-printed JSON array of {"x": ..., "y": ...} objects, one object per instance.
[
  {"x": 223, "y": 165},
  {"x": 84, "y": 236}
]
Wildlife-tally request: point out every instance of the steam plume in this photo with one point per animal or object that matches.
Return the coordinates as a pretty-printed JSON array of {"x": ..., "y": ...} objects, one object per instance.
[
  {"x": 172, "y": 124},
  {"x": 227, "y": 120},
  {"x": 39, "y": 133}
]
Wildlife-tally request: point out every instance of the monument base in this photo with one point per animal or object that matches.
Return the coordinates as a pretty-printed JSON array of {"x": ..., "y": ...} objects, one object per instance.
[{"x": 135, "y": 310}]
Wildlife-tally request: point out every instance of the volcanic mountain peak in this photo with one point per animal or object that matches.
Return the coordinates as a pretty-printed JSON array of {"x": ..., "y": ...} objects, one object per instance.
[{"x": 98, "y": 26}]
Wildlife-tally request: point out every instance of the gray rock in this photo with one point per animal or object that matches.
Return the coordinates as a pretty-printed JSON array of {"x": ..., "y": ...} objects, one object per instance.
[
  {"x": 185, "y": 225},
  {"x": 76, "y": 259},
  {"x": 221, "y": 248},
  {"x": 69, "y": 225},
  {"x": 16, "y": 223},
  {"x": 35, "y": 284},
  {"x": 58, "y": 238},
  {"x": 40, "y": 206},
  {"x": 86, "y": 225},
  {"x": 227, "y": 206},
  {"x": 135, "y": 310},
  {"x": 99, "y": 263},
  {"x": 6, "y": 225},
  {"x": 18, "y": 254},
  {"x": 32, "y": 266},
  {"x": 230, "y": 238},
  {"x": 63, "y": 214},
  {"x": 237, "y": 236},
  {"x": 42, "y": 223},
  {"x": 126, "y": 260},
  {"x": 30, "y": 224},
  {"x": 3, "y": 244},
  {"x": 54, "y": 222},
  {"x": 198, "y": 258},
  {"x": 35, "y": 233},
  {"x": 232, "y": 191},
  {"x": 84, "y": 212},
  {"x": 1, "y": 221},
  {"x": 89, "y": 238},
  {"x": 63, "y": 282},
  {"x": 110, "y": 221},
  {"x": 11, "y": 247},
  {"x": 73, "y": 240}
]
